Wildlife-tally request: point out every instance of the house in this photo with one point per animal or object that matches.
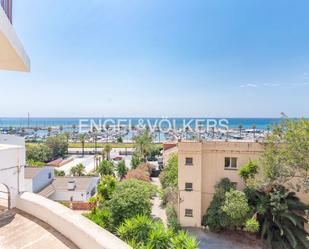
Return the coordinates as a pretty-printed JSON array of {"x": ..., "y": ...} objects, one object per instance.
[
  {"x": 41, "y": 180},
  {"x": 201, "y": 165},
  {"x": 37, "y": 178},
  {"x": 71, "y": 189}
]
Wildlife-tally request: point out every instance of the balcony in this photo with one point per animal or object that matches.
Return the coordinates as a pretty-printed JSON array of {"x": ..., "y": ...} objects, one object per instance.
[
  {"x": 12, "y": 54},
  {"x": 7, "y": 7}
]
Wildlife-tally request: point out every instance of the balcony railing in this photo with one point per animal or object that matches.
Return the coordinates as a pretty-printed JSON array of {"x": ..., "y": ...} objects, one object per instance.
[{"x": 7, "y": 7}]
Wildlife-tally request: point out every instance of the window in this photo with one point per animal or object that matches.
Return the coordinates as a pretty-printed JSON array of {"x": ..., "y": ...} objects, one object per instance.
[
  {"x": 189, "y": 161},
  {"x": 189, "y": 186},
  {"x": 188, "y": 213},
  {"x": 230, "y": 163}
]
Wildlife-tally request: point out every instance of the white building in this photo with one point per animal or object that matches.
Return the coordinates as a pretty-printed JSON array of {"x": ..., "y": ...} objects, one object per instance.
[
  {"x": 37, "y": 178},
  {"x": 12, "y": 162},
  {"x": 12, "y": 53}
]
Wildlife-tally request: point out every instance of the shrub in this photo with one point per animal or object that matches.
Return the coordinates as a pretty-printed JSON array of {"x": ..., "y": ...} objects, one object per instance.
[
  {"x": 142, "y": 173},
  {"x": 106, "y": 187},
  {"x": 122, "y": 169},
  {"x": 168, "y": 195},
  {"x": 106, "y": 168},
  {"x": 136, "y": 229},
  {"x": 215, "y": 218},
  {"x": 169, "y": 176},
  {"x": 58, "y": 145},
  {"x": 252, "y": 226},
  {"x": 279, "y": 213},
  {"x": 249, "y": 170},
  {"x": 32, "y": 163},
  {"x": 183, "y": 241},
  {"x": 236, "y": 207},
  {"x": 101, "y": 217},
  {"x": 38, "y": 153},
  {"x": 130, "y": 198},
  {"x": 172, "y": 219},
  {"x": 135, "y": 161}
]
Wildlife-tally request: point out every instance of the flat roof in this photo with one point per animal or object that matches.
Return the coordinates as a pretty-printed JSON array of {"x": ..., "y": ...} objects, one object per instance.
[{"x": 30, "y": 172}]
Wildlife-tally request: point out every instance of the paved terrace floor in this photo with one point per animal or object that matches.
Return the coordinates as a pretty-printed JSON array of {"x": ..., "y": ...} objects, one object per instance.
[{"x": 19, "y": 230}]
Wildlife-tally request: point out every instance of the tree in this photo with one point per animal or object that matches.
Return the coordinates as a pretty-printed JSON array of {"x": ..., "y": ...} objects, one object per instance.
[
  {"x": 280, "y": 215},
  {"x": 143, "y": 145},
  {"x": 38, "y": 153},
  {"x": 285, "y": 160},
  {"x": 236, "y": 208},
  {"x": 82, "y": 139},
  {"x": 130, "y": 198},
  {"x": 107, "y": 150},
  {"x": 106, "y": 168},
  {"x": 122, "y": 169},
  {"x": 135, "y": 160},
  {"x": 254, "y": 130},
  {"x": 106, "y": 187},
  {"x": 78, "y": 170},
  {"x": 249, "y": 170},
  {"x": 58, "y": 145},
  {"x": 169, "y": 175},
  {"x": 120, "y": 140},
  {"x": 49, "y": 130}
]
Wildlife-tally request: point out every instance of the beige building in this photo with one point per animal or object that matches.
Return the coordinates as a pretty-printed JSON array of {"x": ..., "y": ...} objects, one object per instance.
[{"x": 202, "y": 165}]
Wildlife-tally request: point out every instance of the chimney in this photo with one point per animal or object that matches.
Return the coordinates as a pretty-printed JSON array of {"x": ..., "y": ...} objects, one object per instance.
[{"x": 71, "y": 185}]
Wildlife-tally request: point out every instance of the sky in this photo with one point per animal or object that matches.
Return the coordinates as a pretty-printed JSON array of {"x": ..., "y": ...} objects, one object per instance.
[{"x": 162, "y": 58}]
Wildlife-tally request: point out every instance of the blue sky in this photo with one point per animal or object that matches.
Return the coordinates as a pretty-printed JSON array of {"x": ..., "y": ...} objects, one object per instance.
[{"x": 217, "y": 58}]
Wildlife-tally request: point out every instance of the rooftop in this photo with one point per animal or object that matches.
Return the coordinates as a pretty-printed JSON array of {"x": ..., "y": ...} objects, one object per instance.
[
  {"x": 32, "y": 233},
  {"x": 30, "y": 172}
]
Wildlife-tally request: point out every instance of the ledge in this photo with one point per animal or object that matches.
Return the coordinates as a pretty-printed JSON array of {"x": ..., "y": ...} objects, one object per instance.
[{"x": 81, "y": 231}]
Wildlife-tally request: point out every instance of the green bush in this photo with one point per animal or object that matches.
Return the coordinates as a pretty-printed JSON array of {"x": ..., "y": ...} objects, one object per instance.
[
  {"x": 38, "y": 153},
  {"x": 249, "y": 170},
  {"x": 252, "y": 226},
  {"x": 106, "y": 187},
  {"x": 58, "y": 145},
  {"x": 168, "y": 196},
  {"x": 101, "y": 217},
  {"x": 215, "y": 218},
  {"x": 106, "y": 168},
  {"x": 169, "y": 175},
  {"x": 130, "y": 198},
  {"x": 236, "y": 208},
  {"x": 183, "y": 241},
  {"x": 172, "y": 219}
]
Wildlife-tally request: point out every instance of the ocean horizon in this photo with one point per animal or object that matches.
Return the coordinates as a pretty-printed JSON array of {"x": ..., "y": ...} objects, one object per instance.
[{"x": 260, "y": 123}]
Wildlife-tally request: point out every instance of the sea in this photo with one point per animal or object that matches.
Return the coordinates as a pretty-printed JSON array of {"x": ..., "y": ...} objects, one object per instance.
[{"x": 247, "y": 123}]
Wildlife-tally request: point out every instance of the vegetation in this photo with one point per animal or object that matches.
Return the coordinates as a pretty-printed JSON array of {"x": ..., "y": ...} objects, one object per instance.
[
  {"x": 130, "y": 198},
  {"x": 32, "y": 163},
  {"x": 142, "y": 172},
  {"x": 286, "y": 156},
  {"x": 172, "y": 219},
  {"x": 107, "y": 151},
  {"x": 59, "y": 172},
  {"x": 142, "y": 232},
  {"x": 169, "y": 176},
  {"x": 252, "y": 225},
  {"x": 106, "y": 168},
  {"x": 135, "y": 162},
  {"x": 236, "y": 208},
  {"x": 101, "y": 145},
  {"x": 78, "y": 170},
  {"x": 216, "y": 219},
  {"x": 249, "y": 170},
  {"x": 58, "y": 145},
  {"x": 106, "y": 187},
  {"x": 143, "y": 145},
  {"x": 280, "y": 215},
  {"x": 38, "y": 153},
  {"x": 122, "y": 169}
]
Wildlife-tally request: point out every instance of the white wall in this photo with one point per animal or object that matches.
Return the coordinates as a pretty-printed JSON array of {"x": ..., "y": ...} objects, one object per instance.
[
  {"x": 12, "y": 162},
  {"x": 83, "y": 232}
]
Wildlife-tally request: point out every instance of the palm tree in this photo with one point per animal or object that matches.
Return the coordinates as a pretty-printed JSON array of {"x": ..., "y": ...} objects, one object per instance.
[
  {"x": 143, "y": 144},
  {"x": 49, "y": 129},
  {"x": 94, "y": 132},
  {"x": 78, "y": 170},
  {"x": 73, "y": 127},
  {"x": 254, "y": 130},
  {"x": 82, "y": 139},
  {"x": 107, "y": 150},
  {"x": 240, "y": 130}
]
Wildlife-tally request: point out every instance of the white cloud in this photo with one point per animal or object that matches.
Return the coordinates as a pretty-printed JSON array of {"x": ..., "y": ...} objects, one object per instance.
[{"x": 249, "y": 85}]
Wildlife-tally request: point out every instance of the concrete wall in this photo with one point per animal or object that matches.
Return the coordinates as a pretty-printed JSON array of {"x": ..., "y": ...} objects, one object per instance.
[
  {"x": 41, "y": 180},
  {"x": 12, "y": 53},
  {"x": 12, "y": 162},
  {"x": 84, "y": 233}
]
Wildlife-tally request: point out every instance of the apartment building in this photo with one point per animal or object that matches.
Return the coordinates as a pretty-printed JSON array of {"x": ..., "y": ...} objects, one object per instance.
[{"x": 201, "y": 166}]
